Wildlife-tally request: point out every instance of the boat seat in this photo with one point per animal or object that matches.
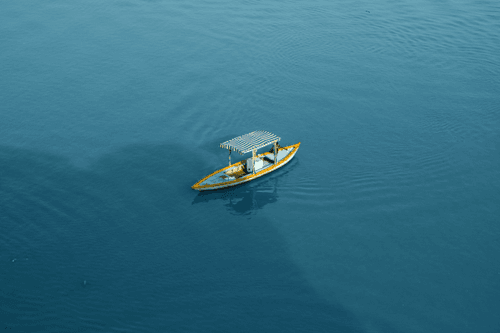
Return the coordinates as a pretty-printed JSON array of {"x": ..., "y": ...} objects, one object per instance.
[{"x": 269, "y": 158}]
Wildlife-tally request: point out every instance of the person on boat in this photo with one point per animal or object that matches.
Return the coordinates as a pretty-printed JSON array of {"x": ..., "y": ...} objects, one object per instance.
[{"x": 277, "y": 147}]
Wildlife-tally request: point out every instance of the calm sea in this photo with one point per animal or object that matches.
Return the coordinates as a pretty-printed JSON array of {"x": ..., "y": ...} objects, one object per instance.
[{"x": 387, "y": 219}]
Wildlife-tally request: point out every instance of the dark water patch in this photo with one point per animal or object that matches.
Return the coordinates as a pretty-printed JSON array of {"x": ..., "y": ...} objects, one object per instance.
[{"x": 134, "y": 252}]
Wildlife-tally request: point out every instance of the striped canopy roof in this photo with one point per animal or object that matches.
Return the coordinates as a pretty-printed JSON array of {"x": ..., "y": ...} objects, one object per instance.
[{"x": 248, "y": 142}]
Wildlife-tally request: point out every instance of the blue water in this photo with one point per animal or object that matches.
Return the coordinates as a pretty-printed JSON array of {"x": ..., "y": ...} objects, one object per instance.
[{"x": 386, "y": 220}]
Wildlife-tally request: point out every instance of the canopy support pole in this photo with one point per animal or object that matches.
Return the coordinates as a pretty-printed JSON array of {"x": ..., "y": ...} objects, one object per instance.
[
  {"x": 275, "y": 152},
  {"x": 253, "y": 160},
  {"x": 229, "y": 156}
]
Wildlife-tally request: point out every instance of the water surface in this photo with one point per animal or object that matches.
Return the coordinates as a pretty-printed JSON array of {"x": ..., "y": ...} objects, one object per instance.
[{"x": 385, "y": 221}]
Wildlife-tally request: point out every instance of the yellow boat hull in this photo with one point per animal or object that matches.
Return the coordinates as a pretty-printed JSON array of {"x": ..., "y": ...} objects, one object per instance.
[{"x": 219, "y": 179}]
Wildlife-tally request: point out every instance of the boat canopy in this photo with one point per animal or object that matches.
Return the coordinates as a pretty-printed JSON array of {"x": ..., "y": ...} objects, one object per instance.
[{"x": 248, "y": 142}]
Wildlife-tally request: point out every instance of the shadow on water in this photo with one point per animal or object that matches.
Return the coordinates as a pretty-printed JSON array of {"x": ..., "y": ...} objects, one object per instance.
[
  {"x": 120, "y": 246},
  {"x": 248, "y": 198}
]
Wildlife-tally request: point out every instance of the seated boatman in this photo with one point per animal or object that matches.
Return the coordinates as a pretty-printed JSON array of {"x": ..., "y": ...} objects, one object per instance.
[{"x": 277, "y": 147}]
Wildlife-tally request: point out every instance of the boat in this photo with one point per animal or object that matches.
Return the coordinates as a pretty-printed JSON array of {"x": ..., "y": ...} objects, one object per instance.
[{"x": 250, "y": 168}]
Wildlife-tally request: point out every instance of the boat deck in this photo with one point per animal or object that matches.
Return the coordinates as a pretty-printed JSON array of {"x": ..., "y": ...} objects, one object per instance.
[
  {"x": 239, "y": 170},
  {"x": 236, "y": 173}
]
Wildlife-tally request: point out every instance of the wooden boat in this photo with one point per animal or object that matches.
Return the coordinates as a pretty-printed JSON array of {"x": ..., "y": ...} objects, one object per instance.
[{"x": 251, "y": 168}]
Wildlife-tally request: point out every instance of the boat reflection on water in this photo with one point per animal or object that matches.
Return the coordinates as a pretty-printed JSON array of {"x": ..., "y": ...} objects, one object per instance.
[{"x": 248, "y": 198}]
